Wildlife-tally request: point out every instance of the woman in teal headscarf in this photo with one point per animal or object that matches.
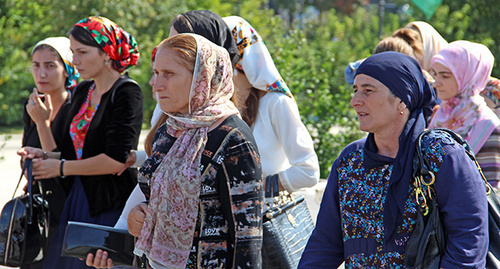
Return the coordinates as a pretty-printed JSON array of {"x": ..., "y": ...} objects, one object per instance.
[{"x": 46, "y": 111}]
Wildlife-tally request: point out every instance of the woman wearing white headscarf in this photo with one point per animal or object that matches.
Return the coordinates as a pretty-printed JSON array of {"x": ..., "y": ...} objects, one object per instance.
[
  {"x": 432, "y": 42},
  {"x": 44, "y": 115},
  {"x": 55, "y": 77},
  {"x": 268, "y": 107}
]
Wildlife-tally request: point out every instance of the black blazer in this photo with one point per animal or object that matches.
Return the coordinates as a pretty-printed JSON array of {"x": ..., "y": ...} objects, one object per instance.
[{"x": 114, "y": 130}]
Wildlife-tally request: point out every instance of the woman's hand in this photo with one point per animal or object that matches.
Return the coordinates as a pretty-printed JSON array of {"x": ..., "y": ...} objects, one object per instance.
[
  {"x": 40, "y": 112},
  {"x": 43, "y": 169},
  {"x": 131, "y": 158},
  {"x": 136, "y": 219},
  {"x": 101, "y": 260},
  {"x": 30, "y": 153}
]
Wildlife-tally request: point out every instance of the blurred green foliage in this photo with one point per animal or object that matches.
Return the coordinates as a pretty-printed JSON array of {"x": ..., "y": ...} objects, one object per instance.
[{"x": 310, "y": 51}]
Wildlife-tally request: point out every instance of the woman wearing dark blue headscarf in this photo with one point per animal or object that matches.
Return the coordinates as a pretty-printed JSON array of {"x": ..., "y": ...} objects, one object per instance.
[{"x": 368, "y": 210}]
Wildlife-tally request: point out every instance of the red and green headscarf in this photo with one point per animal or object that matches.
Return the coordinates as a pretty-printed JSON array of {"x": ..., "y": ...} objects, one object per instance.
[{"x": 116, "y": 42}]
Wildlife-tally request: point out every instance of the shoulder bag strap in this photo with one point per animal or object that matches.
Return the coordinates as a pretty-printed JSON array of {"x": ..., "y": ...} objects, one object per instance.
[
  {"x": 421, "y": 164},
  {"x": 122, "y": 80}
]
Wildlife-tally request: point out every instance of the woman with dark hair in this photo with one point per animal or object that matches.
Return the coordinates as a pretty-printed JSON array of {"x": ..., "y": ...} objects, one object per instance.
[
  {"x": 46, "y": 111},
  {"x": 55, "y": 76},
  {"x": 104, "y": 124},
  {"x": 268, "y": 107}
]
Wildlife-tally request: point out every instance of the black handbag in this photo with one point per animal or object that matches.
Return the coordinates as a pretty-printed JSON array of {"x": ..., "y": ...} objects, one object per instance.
[
  {"x": 427, "y": 244},
  {"x": 287, "y": 225},
  {"x": 81, "y": 239},
  {"x": 493, "y": 256},
  {"x": 24, "y": 226}
]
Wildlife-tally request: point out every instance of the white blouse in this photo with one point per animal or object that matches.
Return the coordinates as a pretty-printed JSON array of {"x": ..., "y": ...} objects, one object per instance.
[{"x": 285, "y": 145}]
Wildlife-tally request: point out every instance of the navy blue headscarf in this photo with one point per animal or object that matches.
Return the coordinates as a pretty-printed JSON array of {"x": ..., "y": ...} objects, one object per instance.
[{"x": 403, "y": 76}]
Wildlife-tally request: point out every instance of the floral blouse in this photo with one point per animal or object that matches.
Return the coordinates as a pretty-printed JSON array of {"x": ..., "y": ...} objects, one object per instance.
[{"x": 81, "y": 122}]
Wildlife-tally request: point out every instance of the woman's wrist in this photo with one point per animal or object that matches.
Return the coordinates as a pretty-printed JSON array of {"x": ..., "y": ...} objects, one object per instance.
[{"x": 51, "y": 155}]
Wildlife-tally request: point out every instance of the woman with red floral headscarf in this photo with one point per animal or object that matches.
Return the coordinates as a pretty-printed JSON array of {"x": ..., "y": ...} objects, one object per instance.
[{"x": 104, "y": 125}]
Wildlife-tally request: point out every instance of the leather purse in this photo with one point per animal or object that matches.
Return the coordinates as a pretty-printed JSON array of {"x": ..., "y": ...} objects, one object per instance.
[
  {"x": 81, "y": 239},
  {"x": 427, "y": 244},
  {"x": 287, "y": 226},
  {"x": 493, "y": 256},
  {"x": 24, "y": 225}
]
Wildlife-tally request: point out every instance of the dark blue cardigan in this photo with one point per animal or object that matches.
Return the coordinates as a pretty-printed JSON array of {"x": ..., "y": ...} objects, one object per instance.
[{"x": 460, "y": 196}]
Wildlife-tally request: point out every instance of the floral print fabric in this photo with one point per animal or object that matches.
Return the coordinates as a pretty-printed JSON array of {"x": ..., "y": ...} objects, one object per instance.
[
  {"x": 467, "y": 113},
  {"x": 492, "y": 91},
  {"x": 255, "y": 59},
  {"x": 81, "y": 122},
  {"x": 118, "y": 44},
  {"x": 362, "y": 193},
  {"x": 168, "y": 230}
]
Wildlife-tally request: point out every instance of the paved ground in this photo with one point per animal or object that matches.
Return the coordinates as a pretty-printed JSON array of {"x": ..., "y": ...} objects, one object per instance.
[{"x": 10, "y": 171}]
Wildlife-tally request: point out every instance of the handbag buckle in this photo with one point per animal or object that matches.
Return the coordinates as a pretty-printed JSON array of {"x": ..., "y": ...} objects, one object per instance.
[
  {"x": 420, "y": 195},
  {"x": 291, "y": 219}
]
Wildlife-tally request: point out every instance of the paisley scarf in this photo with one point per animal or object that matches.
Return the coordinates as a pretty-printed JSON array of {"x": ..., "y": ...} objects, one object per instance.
[{"x": 168, "y": 230}]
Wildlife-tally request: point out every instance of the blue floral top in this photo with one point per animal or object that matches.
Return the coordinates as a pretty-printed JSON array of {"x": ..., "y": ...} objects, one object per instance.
[{"x": 350, "y": 224}]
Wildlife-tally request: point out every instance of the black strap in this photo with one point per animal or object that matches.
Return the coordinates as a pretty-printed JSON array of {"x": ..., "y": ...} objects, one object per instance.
[
  {"x": 272, "y": 186},
  {"x": 27, "y": 167},
  {"x": 123, "y": 79},
  {"x": 421, "y": 164}
]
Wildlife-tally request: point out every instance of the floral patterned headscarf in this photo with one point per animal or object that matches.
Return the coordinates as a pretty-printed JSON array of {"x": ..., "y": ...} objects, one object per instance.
[
  {"x": 120, "y": 46},
  {"x": 61, "y": 45},
  {"x": 467, "y": 113},
  {"x": 255, "y": 59},
  {"x": 168, "y": 230}
]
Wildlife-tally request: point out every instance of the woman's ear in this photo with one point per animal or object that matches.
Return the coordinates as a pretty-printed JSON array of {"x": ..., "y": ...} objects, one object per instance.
[{"x": 401, "y": 106}]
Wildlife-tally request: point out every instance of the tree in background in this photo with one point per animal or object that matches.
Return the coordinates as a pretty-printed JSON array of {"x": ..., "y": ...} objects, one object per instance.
[{"x": 311, "y": 52}]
